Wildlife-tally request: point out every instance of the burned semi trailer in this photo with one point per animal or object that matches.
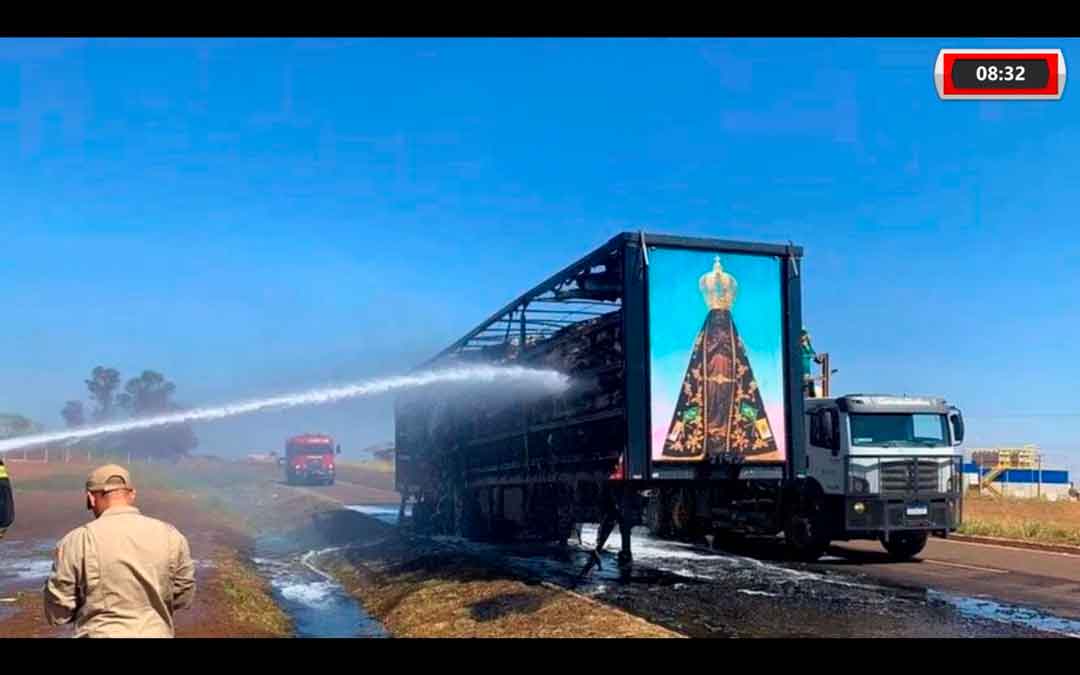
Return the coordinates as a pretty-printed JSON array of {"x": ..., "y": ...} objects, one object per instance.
[{"x": 685, "y": 395}]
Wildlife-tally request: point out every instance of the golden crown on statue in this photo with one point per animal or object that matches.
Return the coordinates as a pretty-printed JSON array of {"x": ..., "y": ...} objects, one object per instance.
[{"x": 718, "y": 287}]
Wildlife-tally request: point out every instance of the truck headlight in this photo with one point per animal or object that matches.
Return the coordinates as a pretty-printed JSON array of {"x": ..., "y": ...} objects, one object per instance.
[{"x": 859, "y": 508}]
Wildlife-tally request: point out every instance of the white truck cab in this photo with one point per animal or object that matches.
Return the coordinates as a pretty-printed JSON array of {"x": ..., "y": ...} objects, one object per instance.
[{"x": 890, "y": 467}]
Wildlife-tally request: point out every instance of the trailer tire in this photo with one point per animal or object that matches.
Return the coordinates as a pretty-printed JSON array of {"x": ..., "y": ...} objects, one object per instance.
[
  {"x": 679, "y": 515},
  {"x": 806, "y": 525},
  {"x": 469, "y": 517},
  {"x": 904, "y": 545},
  {"x": 657, "y": 519},
  {"x": 422, "y": 516},
  {"x": 565, "y": 514}
]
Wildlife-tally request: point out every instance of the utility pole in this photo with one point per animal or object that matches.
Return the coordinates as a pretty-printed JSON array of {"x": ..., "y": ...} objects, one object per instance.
[
  {"x": 1038, "y": 480},
  {"x": 825, "y": 375}
]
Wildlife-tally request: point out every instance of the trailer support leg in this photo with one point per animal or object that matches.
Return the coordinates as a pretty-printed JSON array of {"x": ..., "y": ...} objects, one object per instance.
[{"x": 626, "y": 557}]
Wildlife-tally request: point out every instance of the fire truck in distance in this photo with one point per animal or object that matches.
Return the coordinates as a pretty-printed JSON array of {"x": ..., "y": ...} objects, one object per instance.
[{"x": 309, "y": 459}]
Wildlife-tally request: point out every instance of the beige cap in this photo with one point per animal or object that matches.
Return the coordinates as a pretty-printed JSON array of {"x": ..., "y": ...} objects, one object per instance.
[{"x": 99, "y": 479}]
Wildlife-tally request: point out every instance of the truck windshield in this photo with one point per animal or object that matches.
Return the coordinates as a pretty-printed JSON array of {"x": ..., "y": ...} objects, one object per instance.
[
  {"x": 309, "y": 449},
  {"x": 898, "y": 430}
]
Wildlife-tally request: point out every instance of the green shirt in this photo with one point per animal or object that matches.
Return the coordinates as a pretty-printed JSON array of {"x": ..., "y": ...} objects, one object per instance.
[{"x": 808, "y": 355}]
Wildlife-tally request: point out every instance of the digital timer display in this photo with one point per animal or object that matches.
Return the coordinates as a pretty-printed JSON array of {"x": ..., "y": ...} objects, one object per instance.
[
  {"x": 999, "y": 74},
  {"x": 1016, "y": 74}
]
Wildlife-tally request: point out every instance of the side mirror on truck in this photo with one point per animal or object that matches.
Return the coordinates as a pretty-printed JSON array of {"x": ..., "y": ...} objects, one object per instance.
[
  {"x": 956, "y": 421},
  {"x": 7, "y": 501},
  {"x": 338, "y": 449}
]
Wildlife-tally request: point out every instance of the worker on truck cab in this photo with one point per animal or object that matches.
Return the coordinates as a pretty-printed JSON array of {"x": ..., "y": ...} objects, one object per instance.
[{"x": 808, "y": 355}]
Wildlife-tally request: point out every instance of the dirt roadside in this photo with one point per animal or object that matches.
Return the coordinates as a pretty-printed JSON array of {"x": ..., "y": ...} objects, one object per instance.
[
  {"x": 230, "y": 599},
  {"x": 220, "y": 507},
  {"x": 416, "y": 589},
  {"x": 224, "y": 507}
]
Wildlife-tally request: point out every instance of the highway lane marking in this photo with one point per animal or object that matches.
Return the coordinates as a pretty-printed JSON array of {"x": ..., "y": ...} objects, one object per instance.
[{"x": 993, "y": 570}]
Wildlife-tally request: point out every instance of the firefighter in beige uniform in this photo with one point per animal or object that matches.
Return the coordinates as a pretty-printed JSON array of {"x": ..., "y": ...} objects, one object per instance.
[{"x": 123, "y": 574}]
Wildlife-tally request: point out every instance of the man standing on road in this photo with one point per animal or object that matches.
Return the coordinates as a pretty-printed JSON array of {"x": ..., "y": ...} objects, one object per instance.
[{"x": 123, "y": 574}]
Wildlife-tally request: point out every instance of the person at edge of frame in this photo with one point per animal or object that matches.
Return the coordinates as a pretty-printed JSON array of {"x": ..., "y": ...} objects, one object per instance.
[{"x": 122, "y": 574}]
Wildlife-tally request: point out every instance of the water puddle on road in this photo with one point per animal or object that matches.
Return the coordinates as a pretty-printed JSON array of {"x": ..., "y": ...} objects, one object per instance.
[
  {"x": 24, "y": 563},
  {"x": 717, "y": 574},
  {"x": 381, "y": 513},
  {"x": 981, "y": 608},
  {"x": 318, "y": 605}
]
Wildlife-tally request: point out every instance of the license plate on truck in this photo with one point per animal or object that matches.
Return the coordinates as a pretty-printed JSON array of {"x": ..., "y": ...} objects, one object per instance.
[{"x": 917, "y": 510}]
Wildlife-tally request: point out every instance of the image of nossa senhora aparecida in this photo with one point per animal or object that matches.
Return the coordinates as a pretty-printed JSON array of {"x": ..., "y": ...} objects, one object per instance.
[{"x": 719, "y": 411}]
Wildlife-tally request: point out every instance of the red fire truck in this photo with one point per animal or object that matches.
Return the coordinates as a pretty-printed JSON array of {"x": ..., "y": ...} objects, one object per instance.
[{"x": 309, "y": 458}]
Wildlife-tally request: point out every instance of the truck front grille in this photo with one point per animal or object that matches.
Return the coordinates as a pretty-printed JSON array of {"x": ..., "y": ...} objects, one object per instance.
[{"x": 910, "y": 476}]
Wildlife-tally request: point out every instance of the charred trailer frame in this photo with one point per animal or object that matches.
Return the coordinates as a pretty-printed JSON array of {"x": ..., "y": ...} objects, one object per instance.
[{"x": 534, "y": 468}]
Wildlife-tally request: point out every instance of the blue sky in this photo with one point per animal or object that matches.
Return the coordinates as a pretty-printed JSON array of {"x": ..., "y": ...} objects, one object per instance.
[{"x": 258, "y": 215}]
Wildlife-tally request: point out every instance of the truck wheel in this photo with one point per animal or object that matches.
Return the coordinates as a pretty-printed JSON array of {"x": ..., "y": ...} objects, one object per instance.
[
  {"x": 806, "y": 529},
  {"x": 329, "y": 481},
  {"x": 680, "y": 516},
  {"x": 422, "y": 513},
  {"x": 904, "y": 545},
  {"x": 656, "y": 516},
  {"x": 566, "y": 527},
  {"x": 804, "y": 537},
  {"x": 467, "y": 514}
]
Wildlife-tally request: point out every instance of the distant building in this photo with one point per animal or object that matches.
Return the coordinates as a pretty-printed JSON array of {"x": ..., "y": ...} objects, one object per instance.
[{"x": 1052, "y": 484}]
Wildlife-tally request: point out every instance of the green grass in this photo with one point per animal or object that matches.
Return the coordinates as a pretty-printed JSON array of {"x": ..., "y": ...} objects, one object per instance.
[
  {"x": 1028, "y": 530},
  {"x": 1035, "y": 520},
  {"x": 249, "y": 598}
]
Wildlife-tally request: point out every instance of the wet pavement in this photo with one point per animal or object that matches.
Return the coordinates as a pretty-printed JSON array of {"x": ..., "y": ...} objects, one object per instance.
[
  {"x": 725, "y": 593},
  {"x": 24, "y": 564},
  {"x": 318, "y": 605},
  {"x": 704, "y": 592},
  {"x": 388, "y": 515},
  {"x": 748, "y": 591}
]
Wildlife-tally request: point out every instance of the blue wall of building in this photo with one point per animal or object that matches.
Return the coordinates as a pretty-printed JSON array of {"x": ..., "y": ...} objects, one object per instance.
[{"x": 1051, "y": 477}]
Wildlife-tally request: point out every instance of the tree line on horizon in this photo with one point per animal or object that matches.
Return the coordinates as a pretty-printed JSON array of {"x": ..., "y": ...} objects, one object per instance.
[{"x": 147, "y": 395}]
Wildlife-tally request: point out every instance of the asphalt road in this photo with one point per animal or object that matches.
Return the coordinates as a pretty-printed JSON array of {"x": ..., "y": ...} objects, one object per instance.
[
  {"x": 952, "y": 589},
  {"x": 1043, "y": 579}
]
